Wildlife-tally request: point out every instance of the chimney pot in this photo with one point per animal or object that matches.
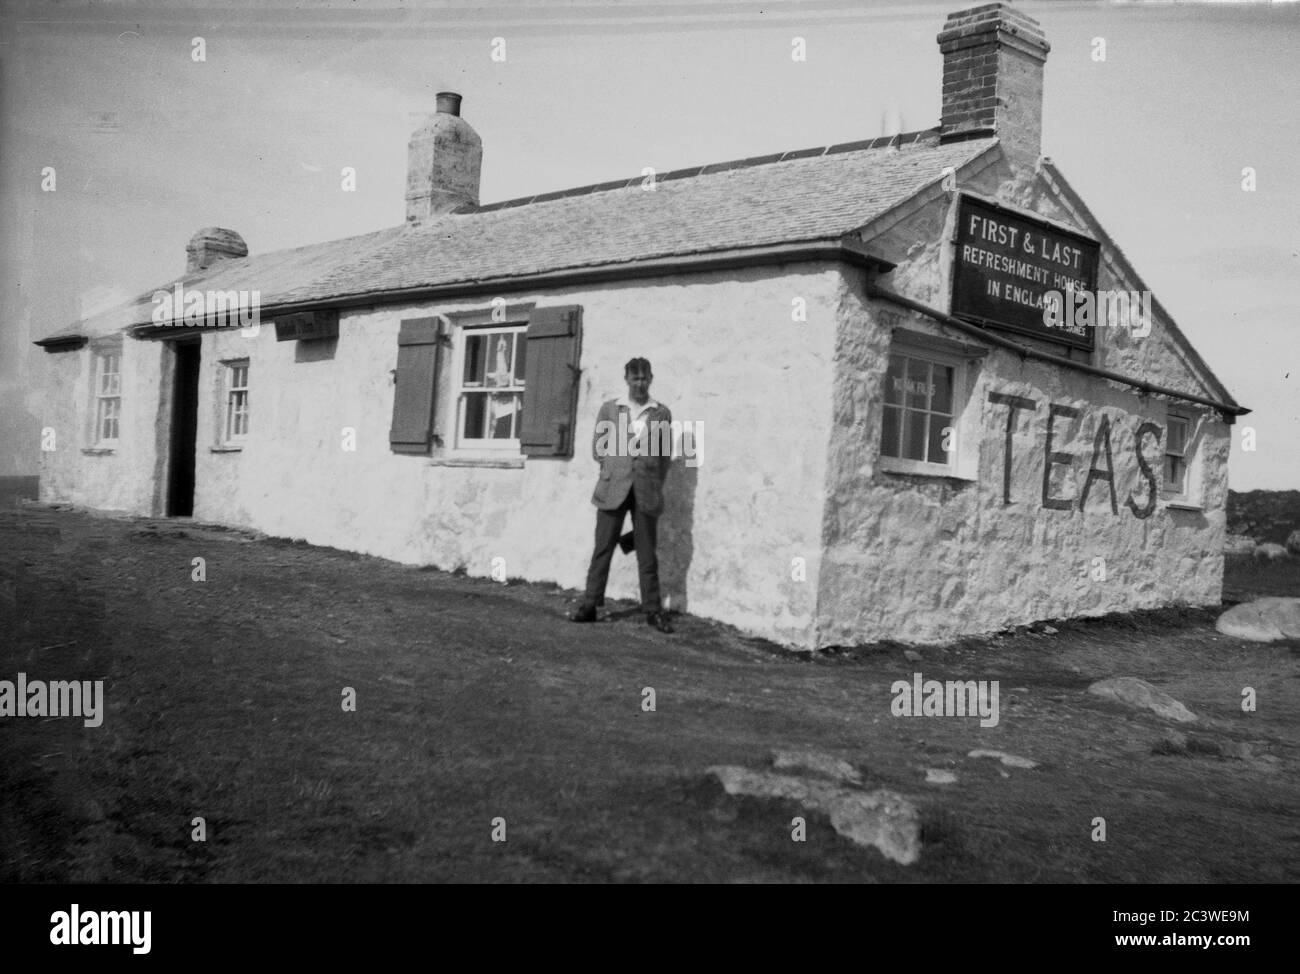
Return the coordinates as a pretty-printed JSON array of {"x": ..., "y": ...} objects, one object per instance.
[{"x": 449, "y": 103}]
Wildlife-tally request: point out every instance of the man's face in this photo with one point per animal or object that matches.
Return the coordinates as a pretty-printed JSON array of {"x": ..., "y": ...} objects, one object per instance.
[{"x": 638, "y": 385}]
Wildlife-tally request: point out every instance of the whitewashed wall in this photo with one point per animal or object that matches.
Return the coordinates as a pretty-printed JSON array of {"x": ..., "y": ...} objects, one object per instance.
[
  {"x": 75, "y": 472},
  {"x": 725, "y": 353}
]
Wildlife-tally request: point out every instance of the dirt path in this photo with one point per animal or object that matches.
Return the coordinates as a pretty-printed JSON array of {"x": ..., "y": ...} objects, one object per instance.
[{"x": 478, "y": 701}]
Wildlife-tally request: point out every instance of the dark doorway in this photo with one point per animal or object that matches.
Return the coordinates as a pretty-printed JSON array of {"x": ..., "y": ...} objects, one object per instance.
[{"x": 185, "y": 424}]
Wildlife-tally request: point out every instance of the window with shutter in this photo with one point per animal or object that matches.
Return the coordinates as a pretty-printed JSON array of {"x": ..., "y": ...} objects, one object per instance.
[
  {"x": 551, "y": 381},
  {"x": 413, "y": 398}
]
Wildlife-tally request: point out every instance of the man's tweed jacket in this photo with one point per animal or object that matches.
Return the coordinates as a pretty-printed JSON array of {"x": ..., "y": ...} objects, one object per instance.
[{"x": 618, "y": 470}]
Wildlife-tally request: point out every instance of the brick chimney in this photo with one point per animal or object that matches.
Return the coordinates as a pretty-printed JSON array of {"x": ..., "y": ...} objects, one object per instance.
[
  {"x": 443, "y": 163},
  {"x": 993, "y": 58},
  {"x": 210, "y": 245}
]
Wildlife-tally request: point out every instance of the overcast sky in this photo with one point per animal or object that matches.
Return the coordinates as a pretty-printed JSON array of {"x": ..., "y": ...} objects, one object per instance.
[{"x": 150, "y": 145}]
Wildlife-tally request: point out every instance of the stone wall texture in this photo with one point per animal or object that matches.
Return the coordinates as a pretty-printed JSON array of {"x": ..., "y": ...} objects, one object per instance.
[{"x": 921, "y": 559}]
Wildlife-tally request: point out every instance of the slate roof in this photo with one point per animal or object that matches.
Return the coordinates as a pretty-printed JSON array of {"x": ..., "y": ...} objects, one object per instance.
[{"x": 796, "y": 196}]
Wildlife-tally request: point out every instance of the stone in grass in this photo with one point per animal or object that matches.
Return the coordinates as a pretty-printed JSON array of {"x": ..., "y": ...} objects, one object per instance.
[
  {"x": 877, "y": 818},
  {"x": 826, "y": 765},
  {"x": 1270, "y": 551},
  {"x": 938, "y": 776},
  {"x": 1132, "y": 692},
  {"x": 1238, "y": 544},
  {"x": 1238, "y": 751},
  {"x": 911, "y": 655},
  {"x": 1171, "y": 742},
  {"x": 1010, "y": 760},
  {"x": 1293, "y": 542},
  {"x": 1262, "y": 621}
]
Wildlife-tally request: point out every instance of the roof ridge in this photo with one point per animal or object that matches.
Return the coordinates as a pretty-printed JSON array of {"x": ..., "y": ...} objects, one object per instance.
[{"x": 708, "y": 169}]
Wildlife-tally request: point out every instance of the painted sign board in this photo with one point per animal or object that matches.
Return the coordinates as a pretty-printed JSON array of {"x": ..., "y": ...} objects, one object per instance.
[{"x": 1006, "y": 262}]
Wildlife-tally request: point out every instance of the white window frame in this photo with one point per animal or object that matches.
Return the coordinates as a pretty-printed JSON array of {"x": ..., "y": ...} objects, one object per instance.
[
  {"x": 106, "y": 392},
  {"x": 963, "y": 462},
  {"x": 1189, "y": 494},
  {"x": 460, "y": 392},
  {"x": 229, "y": 435}
]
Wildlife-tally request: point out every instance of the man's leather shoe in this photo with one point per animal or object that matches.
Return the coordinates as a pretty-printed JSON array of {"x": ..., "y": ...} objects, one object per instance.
[
  {"x": 583, "y": 613},
  {"x": 659, "y": 620}
]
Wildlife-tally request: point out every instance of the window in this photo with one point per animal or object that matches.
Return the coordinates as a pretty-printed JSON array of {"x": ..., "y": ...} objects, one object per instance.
[
  {"x": 920, "y": 426},
  {"x": 236, "y": 399},
  {"x": 927, "y": 427},
  {"x": 490, "y": 394},
  {"x": 1181, "y": 482},
  {"x": 470, "y": 390},
  {"x": 108, "y": 394}
]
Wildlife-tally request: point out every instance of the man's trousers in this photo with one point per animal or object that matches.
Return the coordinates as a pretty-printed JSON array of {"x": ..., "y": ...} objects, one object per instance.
[{"x": 609, "y": 525}]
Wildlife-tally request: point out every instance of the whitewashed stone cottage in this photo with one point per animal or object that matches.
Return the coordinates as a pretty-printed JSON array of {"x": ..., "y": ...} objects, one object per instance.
[{"x": 894, "y": 443}]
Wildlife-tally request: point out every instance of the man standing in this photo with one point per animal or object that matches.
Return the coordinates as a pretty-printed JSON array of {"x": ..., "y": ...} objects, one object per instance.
[{"x": 633, "y": 445}]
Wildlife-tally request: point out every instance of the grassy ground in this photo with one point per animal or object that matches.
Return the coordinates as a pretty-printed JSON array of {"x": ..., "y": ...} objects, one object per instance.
[{"x": 477, "y": 701}]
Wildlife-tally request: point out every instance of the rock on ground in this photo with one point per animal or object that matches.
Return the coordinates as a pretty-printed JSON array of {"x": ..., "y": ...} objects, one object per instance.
[
  {"x": 879, "y": 818},
  {"x": 1141, "y": 695},
  {"x": 1293, "y": 542},
  {"x": 1010, "y": 760},
  {"x": 1270, "y": 551},
  {"x": 938, "y": 776},
  {"x": 1262, "y": 621},
  {"x": 826, "y": 765},
  {"x": 1238, "y": 544}
]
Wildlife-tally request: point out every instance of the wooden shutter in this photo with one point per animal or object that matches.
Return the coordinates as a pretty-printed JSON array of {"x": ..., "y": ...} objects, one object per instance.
[
  {"x": 551, "y": 381},
  {"x": 413, "y": 399}
]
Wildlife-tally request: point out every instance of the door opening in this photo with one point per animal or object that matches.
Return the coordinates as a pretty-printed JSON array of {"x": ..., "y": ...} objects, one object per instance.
[{"x": 185, "y": 427}]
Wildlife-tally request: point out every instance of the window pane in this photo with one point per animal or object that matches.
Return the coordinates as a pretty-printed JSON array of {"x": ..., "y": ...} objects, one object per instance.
[
  {"x": 890, "y": 436},
  {"x": 502, "y": 415},
  {"x": 943, "y": 380},
  {"x": 894, "y": 380},
  {"x": 521, "y": 350},
  {"x": 914, "y": 435},
  {"x": 499, "y": 373},
  {"x": 475, "y": 353},
  {"x": 918, "y": 383},
  {"x": 475, "y": 415},
  {"x": 939, "y": 423},
  {"x": 1177, "y": 437},
  {"x": 1174, "y": 470}
]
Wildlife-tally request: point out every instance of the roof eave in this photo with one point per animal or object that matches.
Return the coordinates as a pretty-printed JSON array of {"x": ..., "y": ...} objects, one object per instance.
[
  {"x": 842, "y": 248},
  {"x": 62, "y": 343}
]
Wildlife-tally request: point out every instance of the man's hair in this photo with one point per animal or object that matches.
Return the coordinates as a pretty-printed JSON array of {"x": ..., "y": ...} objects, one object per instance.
[{"x": 638, "y": 365}]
